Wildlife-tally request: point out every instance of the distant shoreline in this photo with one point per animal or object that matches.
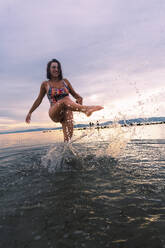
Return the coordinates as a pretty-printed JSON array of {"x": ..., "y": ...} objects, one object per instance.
[
  {"x": 124, "y": 125},
  {"x": 101, "y": 126}
]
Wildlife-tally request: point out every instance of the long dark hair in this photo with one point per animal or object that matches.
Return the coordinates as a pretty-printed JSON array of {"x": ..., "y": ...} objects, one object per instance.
[{"x": 60, "y": 77}]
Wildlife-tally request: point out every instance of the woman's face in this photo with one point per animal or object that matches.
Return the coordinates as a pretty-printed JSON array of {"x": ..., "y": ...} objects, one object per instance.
[{"x": 54, "y": 70}]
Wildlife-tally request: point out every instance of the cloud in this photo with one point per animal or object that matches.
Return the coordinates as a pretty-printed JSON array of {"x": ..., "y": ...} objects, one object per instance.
[{"x": 111, "y": 51}]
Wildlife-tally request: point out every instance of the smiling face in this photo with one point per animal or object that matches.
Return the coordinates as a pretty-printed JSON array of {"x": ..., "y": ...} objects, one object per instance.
[{"x": 54, "y": 70}]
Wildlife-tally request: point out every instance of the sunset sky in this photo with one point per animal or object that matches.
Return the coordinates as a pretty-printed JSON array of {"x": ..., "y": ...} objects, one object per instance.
[{"x": 111, "y": 51}]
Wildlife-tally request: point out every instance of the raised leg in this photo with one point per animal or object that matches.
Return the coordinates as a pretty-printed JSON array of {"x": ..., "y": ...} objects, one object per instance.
[
  {"x": 57, "y": 110},
  {"x": 88, "y": 110}
]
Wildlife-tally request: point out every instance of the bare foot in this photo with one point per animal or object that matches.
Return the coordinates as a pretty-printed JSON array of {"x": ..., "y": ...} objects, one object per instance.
[{"x": 92, "y": 109}]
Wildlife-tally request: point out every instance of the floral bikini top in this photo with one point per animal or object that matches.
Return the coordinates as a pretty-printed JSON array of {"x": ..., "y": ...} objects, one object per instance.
[{"x": 55, "y": 94}]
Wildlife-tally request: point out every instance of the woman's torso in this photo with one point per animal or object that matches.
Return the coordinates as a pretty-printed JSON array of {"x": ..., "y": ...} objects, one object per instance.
[{"x": 56, "y": 91}]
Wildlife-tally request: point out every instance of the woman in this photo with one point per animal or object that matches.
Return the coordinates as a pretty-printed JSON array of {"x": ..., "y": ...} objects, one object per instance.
[{"x": 61, "y": 106}]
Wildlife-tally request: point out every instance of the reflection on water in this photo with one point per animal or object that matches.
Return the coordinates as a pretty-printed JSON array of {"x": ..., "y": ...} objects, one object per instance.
[
  {"x": 149, "y": 132},
  {"x": 31, "y": 138},
  {"x": 80, "y": 195}
]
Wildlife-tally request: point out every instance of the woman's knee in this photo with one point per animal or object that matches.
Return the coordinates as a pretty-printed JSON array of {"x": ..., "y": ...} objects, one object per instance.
[{"x": 56, "y": 118}]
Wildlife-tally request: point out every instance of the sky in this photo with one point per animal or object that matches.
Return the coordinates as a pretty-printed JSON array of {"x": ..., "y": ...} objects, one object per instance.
[{"x": 111, "y": 51}]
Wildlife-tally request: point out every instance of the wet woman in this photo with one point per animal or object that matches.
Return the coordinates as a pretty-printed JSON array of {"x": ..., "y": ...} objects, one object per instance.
[{"x": 61, "y": 106}]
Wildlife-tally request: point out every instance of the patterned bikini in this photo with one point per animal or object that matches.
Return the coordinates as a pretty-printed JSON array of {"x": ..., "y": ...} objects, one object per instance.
[{"x": 55, "y": 94}]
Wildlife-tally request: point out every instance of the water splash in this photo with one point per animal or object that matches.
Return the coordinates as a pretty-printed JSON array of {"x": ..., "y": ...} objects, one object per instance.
[
  {"x": 84, "y": 151},
  {"x": 59, "y": 157},
  {"x": 119, "y": 136},
  {"x": 118, "y": 141},
  {"x": 63, "y": 156}
]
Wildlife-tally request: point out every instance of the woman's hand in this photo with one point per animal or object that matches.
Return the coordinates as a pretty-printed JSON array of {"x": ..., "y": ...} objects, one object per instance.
[
  {"x": 79, "y": 100},
  {"x": 28, "y": 118}
]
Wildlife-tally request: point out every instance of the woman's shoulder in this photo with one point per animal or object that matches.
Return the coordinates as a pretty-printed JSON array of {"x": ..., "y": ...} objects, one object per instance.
[
  {"x": 44, "y": 83},
  {"x": 66, "y": 81}
]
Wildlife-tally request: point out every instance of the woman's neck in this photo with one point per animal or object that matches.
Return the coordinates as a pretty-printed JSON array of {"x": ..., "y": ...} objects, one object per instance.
[{"x": 54, "y": 79}]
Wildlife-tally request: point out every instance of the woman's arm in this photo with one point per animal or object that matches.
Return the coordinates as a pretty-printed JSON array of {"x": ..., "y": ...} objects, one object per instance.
[
  {"x": 37, "y": 102},
  {"x": 78, "y": 98}
]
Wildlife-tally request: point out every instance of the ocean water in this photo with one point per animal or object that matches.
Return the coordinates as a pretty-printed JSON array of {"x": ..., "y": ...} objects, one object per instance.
[{"x": 104, "y": 189}]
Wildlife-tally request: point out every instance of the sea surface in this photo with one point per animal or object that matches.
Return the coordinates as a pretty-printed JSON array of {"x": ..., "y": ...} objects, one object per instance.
[{"x": 104, "y": 189}]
